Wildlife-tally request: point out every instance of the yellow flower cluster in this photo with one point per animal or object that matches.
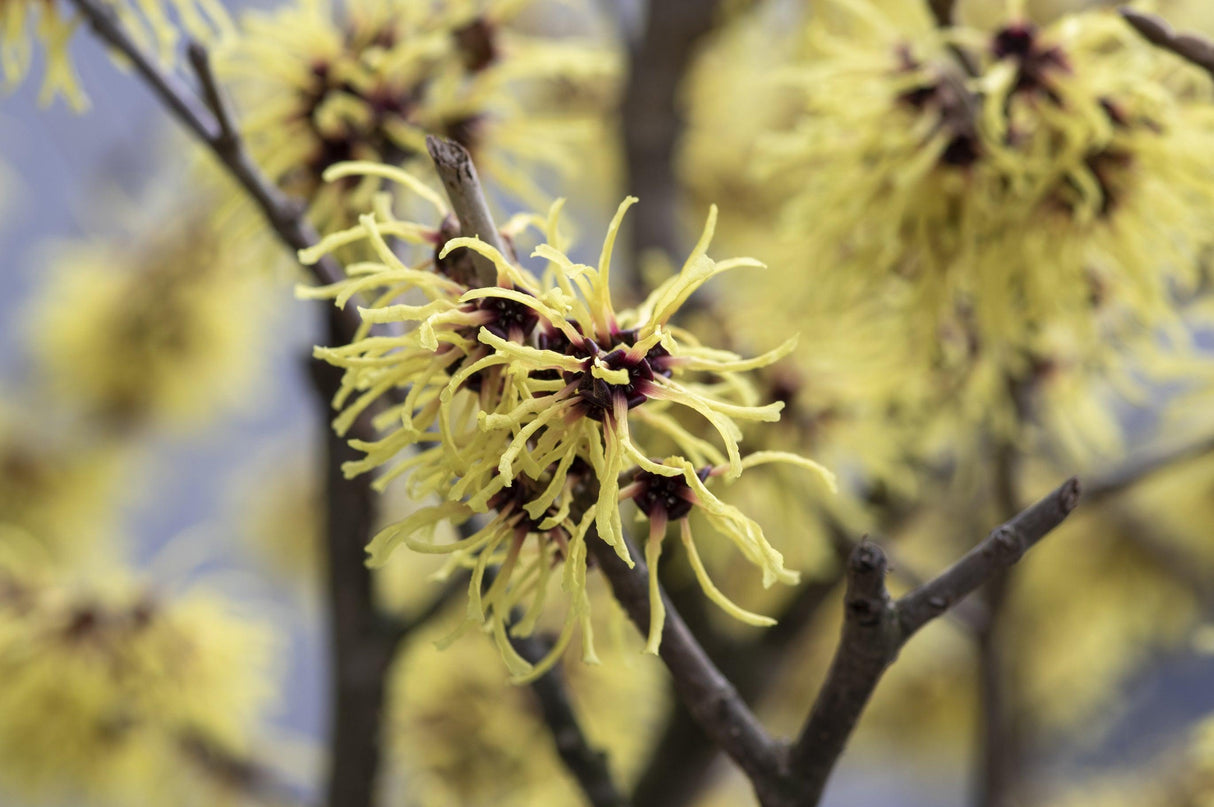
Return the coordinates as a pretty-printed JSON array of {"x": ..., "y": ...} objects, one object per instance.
[
  {"x": 56, "y": 484},
  {"x": 115, "y": 694},
  {"x": 371, "y": 80},
  {"x": 995, "y": 206},
  {"x": 523, "y": 405}
]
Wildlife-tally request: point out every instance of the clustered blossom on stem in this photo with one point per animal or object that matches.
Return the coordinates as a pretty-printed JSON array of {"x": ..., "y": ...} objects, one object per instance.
[
  {"x": 370, "y": 80},
  {"x": 523, "y": 405}
]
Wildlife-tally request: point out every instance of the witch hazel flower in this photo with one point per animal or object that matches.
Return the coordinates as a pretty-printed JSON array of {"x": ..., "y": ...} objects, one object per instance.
[{"x": 521, "y": 406}]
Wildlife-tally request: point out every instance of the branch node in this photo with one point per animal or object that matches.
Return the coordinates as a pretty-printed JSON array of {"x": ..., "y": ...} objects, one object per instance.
[{"x": 200, "y": 60}]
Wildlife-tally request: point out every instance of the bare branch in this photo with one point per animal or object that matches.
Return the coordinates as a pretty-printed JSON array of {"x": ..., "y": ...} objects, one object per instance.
[
  {"x": 1190, "y": 47},
  {"x": 453, "y": 589},
  {"x": 1002, "y": 548},
  {"x": 942, "y": 12},
  {"x": 200, "y": 60},
  {"x": 876, "y": 628},
  {"x": 458, "y": 174},
  {"x": 708, "y": 695},
  {"x": 588, "y": 765},
  {"x": 871, "y": 639},
  {"x": 362, "y": 641}
]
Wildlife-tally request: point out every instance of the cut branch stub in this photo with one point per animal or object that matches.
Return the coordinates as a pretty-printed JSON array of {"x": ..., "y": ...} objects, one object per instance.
[{"x": 454, "y": 166}]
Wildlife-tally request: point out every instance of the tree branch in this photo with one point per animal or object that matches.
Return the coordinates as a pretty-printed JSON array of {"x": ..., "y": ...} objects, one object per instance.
[
  {"x": 652, "y": 123},
  {"x": 588, "y": 765},
  {"x": 458, "y": 174},
  {"x": 363, "y": 642},
  {"x": 1190, "y": 47},
  {"x": 709, "y": 696},
  {"x": 876, "y": 628},
  {"x": 942, "y": 12},
  {"x": 200, "y": 60}
]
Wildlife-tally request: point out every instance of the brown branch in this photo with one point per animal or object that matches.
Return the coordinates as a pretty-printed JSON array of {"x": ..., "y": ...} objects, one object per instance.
[
  {"x": 587, "y": 765},
  {"x": 999, "y": 757},
  {"x": 876, "y": 627},
  {"x": 211, "y": 123},
  {"x": 458, "y": 174},
  {"x": 1190, "y": 47},
  {"x": 362, "y": 641},
  {"x": 652, "y": 125},
  {"x": 751, "y": 666},
  {"x": 705, "y": 691},
  {"x": 200, "y": 61}
]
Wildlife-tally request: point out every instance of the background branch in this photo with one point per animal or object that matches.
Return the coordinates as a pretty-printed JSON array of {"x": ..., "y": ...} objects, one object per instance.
[
  {"x": 237, "y": 772},
  {"x": 362, "y": 641},
  {"x": 1101, "y": 488},
  {"x": 1190, "y": 47},
  {"x": 876, "y": 628},
  {"x": 652, "y": 125}
]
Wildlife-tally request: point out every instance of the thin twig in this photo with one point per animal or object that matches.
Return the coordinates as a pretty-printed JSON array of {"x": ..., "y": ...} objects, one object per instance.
[
  {"x": 1190, "y": 47},
  {"x": 200, "y": 60},
  {"x": 876, "y": 628},
  {"x": 458, "y": 174},
  {"x": 709, "y": 696},
  {"x": 453, "y": 589},
  {"x": 588, "y": 765}
]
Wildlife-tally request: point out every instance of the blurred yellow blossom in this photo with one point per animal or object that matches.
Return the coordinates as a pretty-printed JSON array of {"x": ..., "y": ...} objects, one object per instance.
[
  {"x": 369, "y": 81},
  {"x": 158, "y": 326},
  {"x": 113, "y": 691}
]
